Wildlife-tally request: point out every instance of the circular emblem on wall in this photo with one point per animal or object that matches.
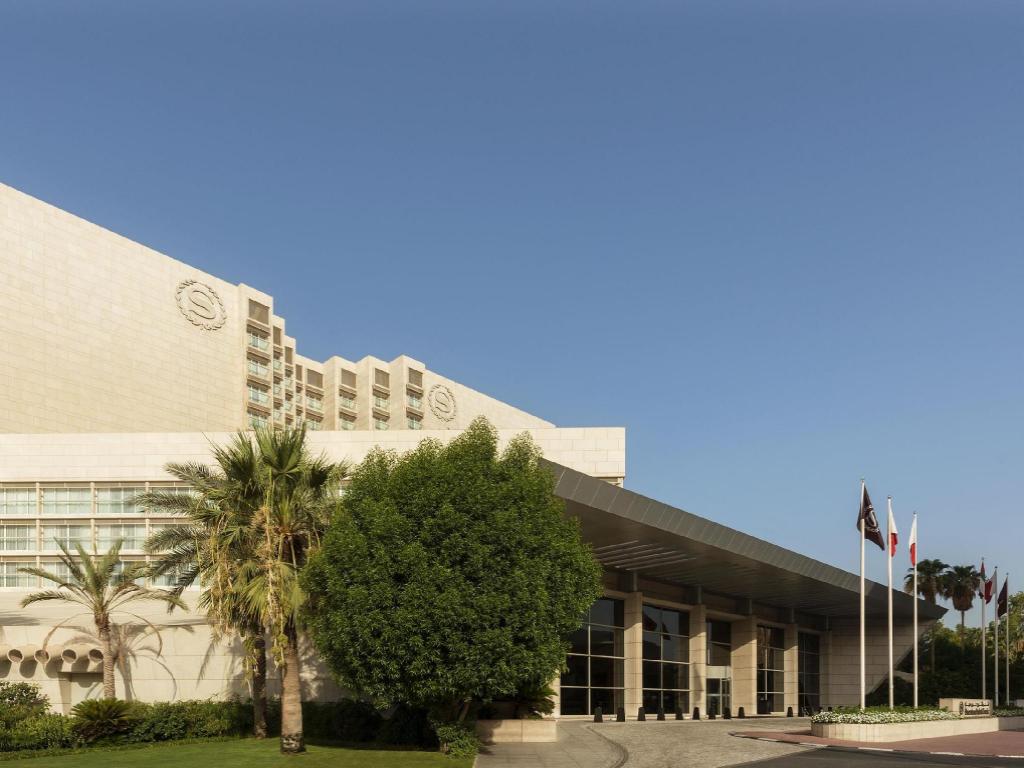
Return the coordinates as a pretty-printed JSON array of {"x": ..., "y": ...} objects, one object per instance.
[
  {"x": 201, "y": 305},
  {"x": 441, "y": 402}
]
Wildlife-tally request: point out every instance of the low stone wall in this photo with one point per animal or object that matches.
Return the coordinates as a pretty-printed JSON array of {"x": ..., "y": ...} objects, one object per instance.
[
  {"x": 928, "y": 729},
  {"x": 516, "y": 731}
]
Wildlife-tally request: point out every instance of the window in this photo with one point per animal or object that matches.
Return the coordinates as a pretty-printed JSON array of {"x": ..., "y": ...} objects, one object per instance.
[
  {"x": 770, "y": 670},
  {"x": 258, "y": 395},
  {"x": 415, "y": 401},
  {"x": 11, "y": 578},
  {"x": 379, "y": 423},
  {"x": 348, "y": 378},
  {"x": 258, "y": 341},
  {"x": 719, "y": 670},
  {"x": 809, "y": 673},
  {"x": 168, "y": 579},
  {"x": 17, "y": 538},
  {"x": 68, "y": 535},
  {"x": 315, "y": 403},
  {"x": 346, "y": 422},
  {"x": 595, "y": 675},
  {"x": 118, "y": 501},
  {"x": 256, "y": 368},
  {"x": 278, "y": 365},
  {"x": 257, "y": 420},
  {"x": 346, "y": 401},
  {"x": 133, "y": 534},
  {"x": 381, "y": 378},
  {"x": 17, "y": 502},
  {"x": 666, "y": 652},
  {"x": 312, "y": 426},
  {"x": 416, "y": 377},
  {"x": 380, "y": 402},
  {"x": 259, "y": 312},
  {"x": 413, "y": 422},
  {"x": 67, "y": 501}
]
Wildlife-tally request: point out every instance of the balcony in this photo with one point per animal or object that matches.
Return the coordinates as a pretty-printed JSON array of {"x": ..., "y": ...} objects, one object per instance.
[{"x": 262, "y": 343}]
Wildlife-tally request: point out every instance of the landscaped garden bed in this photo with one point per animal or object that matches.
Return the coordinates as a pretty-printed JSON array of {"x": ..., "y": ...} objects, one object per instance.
[{"x": 881, "y": 724}]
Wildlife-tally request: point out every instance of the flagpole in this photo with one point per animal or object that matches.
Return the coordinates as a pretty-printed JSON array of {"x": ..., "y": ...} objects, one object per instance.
[
  {"x": 916, "y": 640},
  {"x": 984, "y": 632},
  {"x": 1006, "y": 691},
  {"x": 889, "y": 554},
  {"x": 995, "y": 580},
  {"x": 863, "y": 671}
]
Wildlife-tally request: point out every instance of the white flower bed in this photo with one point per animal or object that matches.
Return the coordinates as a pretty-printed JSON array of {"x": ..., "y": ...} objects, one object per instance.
[{"x": 881, "y": 717}]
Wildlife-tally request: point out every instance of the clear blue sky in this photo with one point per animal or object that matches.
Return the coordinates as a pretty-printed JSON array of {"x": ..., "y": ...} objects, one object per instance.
[{"x": 782, "y": 243}]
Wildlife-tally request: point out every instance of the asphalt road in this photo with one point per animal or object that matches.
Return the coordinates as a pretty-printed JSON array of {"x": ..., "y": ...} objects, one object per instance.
[{"x": 835, "y": 758}]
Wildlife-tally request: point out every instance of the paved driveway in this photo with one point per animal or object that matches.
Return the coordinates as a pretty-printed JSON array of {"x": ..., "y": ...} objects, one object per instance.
[{"x": 652, "y": 744}]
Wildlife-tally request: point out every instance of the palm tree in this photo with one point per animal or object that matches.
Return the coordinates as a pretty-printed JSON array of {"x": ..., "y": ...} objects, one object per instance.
[
  {"x": 299, "y": 499},
  {"x": 961, "y": 584},
  {"x": 212, "y": 547},
  {"x": 931, "y": 585},
  {"x": 253, "y": 523},
  {"x": 96, "y": 583}
]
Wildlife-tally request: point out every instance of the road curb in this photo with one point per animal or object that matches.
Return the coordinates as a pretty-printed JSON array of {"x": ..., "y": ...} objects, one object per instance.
[{"x": 887, "y": 750}]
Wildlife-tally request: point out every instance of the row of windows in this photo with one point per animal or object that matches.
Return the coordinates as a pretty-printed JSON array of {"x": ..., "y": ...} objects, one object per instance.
[
  {"x": 11, "y": 576},
  {"x": 28, "y": 538},
  {"x": 64, "y": 502}
]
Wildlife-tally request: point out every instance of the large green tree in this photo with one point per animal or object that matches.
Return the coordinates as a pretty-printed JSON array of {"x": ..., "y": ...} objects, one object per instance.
[
  {"x": 961, "y": 584},
  {"x": 931, "y": 585},
  {"x": 452, "y": 575}
]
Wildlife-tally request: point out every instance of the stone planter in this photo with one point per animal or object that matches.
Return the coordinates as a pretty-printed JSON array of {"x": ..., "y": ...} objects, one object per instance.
[
  {"x": 929, "y": 729},
  {"x": 516, "y": 731}
]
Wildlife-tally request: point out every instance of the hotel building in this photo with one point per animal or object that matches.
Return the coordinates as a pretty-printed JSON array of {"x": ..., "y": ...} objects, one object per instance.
[{"x": 122, "y": 359}]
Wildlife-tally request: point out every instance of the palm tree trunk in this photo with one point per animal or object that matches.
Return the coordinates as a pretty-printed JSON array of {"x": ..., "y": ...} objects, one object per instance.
[
  {"x": 109, "y": 692},
  {"x": 259, "y": 687},
  {"x": 292, "y": 741}
]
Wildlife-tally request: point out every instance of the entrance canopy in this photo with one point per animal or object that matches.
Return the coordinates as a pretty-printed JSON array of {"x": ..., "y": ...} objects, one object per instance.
[{"x": 635, "y": 534}]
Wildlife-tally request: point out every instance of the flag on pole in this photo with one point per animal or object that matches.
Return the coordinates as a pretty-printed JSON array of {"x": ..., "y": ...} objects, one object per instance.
[
  {"x": 913, "y": 562},
  {"x": 894, "y": 535},
  {"x": 987, "y": 585},
  {"x": 913, "y": 542},
  {"x": 867, "y": 516},
  {"x": 1002, "y": 602}
]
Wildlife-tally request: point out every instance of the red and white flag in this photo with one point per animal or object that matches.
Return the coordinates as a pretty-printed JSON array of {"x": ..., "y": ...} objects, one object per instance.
[
  {"x": 894, "y": 535},
  {"x": 913, "y": 541}
]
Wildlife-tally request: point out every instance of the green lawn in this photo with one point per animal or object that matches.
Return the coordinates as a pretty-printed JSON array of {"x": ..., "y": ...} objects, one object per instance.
[{"x": 245, "y": 753}]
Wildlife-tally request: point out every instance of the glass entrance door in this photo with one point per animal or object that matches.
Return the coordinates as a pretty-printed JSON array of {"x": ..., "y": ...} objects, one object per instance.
[{"x": 719, "y": 695}]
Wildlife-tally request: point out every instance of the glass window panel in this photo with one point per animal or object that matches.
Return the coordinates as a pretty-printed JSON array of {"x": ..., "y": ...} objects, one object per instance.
[
  {"x": 652, "y": 674},
  {"x": 17, "y": 538},
  {"x": 578, "y": 641},
  {"x": 20, "y": 502},
  {"x": 651, "y": 618},
  {"x": 672, "y": 622},
  {"x": 652, "y": 645},
  {"x": 674, "y": 648},
  {"x": 605, "y": 642},
  {"x": 720, "y": 632},
  {"x": 809, "y": 643},
  {"x": 576, "y": 672},
  {"x": 676, "y": 700},
  {"x": 674, "y": 676},
  {"x": 719, "y": 655},
  {"x": 607, "y": 611},
  {"x": 573, "y": 701},
  {"x": 651, "y": 700},
  {"x": 605, "y": 672},
  {"x": 714, "y": 685}
]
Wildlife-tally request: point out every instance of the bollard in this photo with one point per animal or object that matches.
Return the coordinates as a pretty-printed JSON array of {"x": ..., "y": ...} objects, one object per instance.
[
  {"x": 620, "y": 715},
  {"x": 641, "y": 716},
  {"x": 598, "y": 715},
  {"x": 679, "y": 713},
  {"x": 789, "y": 712},
  {"x": 712, "y": 716},
  {"x": 727, "y": 713},
  {"x": 661, "y": 711},
  {"x": 740, "y": 713},
  {"x": 696, "y": 713}
]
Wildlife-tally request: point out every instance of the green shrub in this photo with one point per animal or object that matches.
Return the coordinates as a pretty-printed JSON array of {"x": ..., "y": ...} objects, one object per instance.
[
  {"x": 42, "y": 731},
  {"x": 102, "y": 719},
  {"x": 197, "y": 719},
  {"x": 346, "y": 720},
  {"x": 880, "y": 715},
  {"x": 457, "y": 739},
  {"x": 19, "y": 701}
]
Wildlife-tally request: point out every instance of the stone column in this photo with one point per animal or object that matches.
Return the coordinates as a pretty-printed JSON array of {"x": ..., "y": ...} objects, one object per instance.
[
  {"x": 698, "y": 658},
  {"x": 744, "y": 665},
  {"x": 634, "y": 662},
  {"x": 791, "y": 660}
]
